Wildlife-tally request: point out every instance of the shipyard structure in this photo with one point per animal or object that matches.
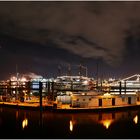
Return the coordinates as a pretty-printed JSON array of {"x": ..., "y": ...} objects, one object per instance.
[{"x": 71, "y": 92}]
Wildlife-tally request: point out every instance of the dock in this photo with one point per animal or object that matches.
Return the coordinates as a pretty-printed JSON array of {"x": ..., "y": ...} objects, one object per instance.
[
  {"x": 32, "y": 106},
  {"x": 65, "y": 108},
  {"x": 96, "y": 109}
]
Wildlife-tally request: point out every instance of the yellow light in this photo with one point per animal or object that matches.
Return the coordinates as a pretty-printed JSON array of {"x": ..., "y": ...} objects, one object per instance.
[
  {"x": 14, "y": 83},
  {"x": 106, "y": 94},
  {"x": 71, "y": 126},
  {"x": 106, "y": 123},
  {"x": 135, "y": 119},
  {"x": 24, "y": 123}
]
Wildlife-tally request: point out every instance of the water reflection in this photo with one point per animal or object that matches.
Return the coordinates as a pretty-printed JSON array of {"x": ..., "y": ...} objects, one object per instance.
[
  {"x": 71, "y": 125},
  {"x": 104, "y": 119},
  {"x": 35, "y": 124},
  {"x": 24, "y": 123},
  {"x": 106, "y": 123},
  {"x": 135, "y": 119}
]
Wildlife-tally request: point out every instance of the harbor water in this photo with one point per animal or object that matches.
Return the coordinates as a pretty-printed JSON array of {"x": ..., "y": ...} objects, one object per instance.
[{"x": 15, "y": 123}]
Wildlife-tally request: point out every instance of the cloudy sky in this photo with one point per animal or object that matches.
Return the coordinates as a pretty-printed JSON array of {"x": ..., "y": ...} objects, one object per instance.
[{"x": 39, "y": 36}]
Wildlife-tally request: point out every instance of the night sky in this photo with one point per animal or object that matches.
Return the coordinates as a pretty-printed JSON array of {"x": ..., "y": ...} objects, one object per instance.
[{"x": 39, "y": 36}]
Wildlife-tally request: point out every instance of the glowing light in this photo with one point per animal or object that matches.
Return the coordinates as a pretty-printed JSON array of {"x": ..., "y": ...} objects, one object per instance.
[
  {"x": 85, "y": 82},
  {"x": 106, "y": 123},
  {"x": 83, "y": 93},
  {"x": 106, "y": 94},
  {"x": 71, "y": 125},
  {"x": 23, "y": 79},
  {"x": 135, "y": 119},
  {"x": 13, "y": 78},
  {"x": 24, "y": 123},
  {"x": 14, "y": 83},
  {"x": 24, "y": 83},
  {"x": 24, "y": 91}
]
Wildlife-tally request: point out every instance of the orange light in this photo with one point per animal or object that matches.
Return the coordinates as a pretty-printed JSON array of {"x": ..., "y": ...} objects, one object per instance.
[{"x": 106, "y": 123}]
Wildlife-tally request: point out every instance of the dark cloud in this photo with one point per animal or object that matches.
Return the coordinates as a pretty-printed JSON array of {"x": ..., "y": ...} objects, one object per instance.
[
  {"x": 100, "y": 23},
  {"x": 75, "y": 30}
]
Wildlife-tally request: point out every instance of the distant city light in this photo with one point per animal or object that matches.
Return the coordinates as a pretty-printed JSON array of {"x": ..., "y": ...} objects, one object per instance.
[
  {"x": 23, "y": 79},
  {"x": 13, "y": 78},
  {"x": 85, "y": 82}
]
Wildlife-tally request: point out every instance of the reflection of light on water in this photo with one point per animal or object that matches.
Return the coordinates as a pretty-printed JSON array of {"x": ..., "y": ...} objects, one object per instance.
[
  {"x": 135, "y": 119},
  {"x": 24, "y": 123},
  {"x": 106, "y": 123},
  {"x": 71, "y": 125},
  {"x": 16, "y": 114}
]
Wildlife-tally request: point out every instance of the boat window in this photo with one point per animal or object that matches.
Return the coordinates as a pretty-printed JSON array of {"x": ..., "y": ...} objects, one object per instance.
[
  {"x": 138, "y": 99},
  {"x": 77, "y": 99},
  {"x": 129, "y": 100},
  {"x": 113, "y": 101},
  {"x": 89, "y": 99},
  {"x": 83, "y": 99}
]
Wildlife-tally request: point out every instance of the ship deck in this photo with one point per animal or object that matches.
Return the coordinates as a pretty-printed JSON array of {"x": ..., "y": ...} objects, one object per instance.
[{"x": 66, "y": 108}]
